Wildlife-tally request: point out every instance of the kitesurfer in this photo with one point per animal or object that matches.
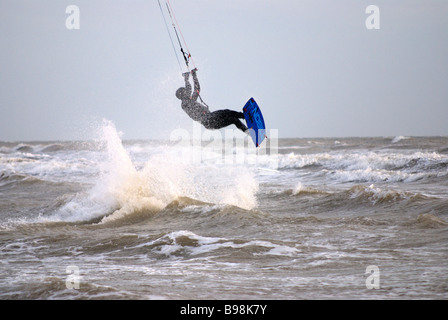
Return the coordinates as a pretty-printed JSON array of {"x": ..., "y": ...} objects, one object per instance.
[{"x": 200, "y": 112}]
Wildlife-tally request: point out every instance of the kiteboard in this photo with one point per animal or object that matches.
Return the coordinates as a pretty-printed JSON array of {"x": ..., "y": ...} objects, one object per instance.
[{"x": 255, "y": 122}]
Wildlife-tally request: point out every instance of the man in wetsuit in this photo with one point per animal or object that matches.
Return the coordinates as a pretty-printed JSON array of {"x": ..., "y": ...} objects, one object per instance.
[{"x": 199, "y": 112}]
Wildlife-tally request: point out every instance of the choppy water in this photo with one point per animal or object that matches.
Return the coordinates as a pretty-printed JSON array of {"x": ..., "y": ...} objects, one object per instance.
[{"x": 148, "y": 220}]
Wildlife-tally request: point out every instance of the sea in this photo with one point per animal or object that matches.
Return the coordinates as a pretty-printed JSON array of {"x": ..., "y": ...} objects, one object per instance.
[{"x": 296, "y": 219}]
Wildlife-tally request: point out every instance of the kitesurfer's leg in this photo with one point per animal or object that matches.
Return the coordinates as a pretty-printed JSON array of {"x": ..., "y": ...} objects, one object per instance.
[{"x": 223, "y": 118}]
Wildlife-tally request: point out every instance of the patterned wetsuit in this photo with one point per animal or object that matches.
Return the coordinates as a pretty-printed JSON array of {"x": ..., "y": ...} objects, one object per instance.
[{"x": 198, "y": 112}]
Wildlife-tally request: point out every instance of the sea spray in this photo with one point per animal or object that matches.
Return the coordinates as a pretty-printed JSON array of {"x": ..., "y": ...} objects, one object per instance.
[
  {"x": 121, "y": 185},
  {"x": 121, "y": 189}
]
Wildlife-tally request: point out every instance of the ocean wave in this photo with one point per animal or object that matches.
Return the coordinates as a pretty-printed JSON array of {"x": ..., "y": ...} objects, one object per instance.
[
  {"x": 24, "y": 148},
  {"x": 188, "y": 244},
  {"x": 428, "y": 220},
  {"x": 121, "y": 189},
  {"x": 357, "y": 197},
  {"x": 369, "y": 166},
  {"x": 48, "y": 168},
  {"x": 363, "y": 199},
  {"x": 361, "y": 221},
  {"x": 53, "y": 147},
  {"x": 362, "y": 160},
  {"x": 48, "y": 147},
  {"x": 399, "y": 138},
  {"x": 55, "y": 288},
  {"x": 32, "y": 148},
  {"x": 300, "y": 190},
  {"x": 16, "y": 179},
  {"x": 185, "y": 243},
  {"x": 376, "y": 195}
]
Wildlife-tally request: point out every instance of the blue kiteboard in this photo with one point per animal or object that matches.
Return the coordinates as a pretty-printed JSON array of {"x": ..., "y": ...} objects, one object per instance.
[{"x": 255, "y": 122}]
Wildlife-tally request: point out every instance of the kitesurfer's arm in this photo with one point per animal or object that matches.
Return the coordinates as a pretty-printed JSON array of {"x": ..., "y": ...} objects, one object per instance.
[
  {"x": 197, "y": 87},
  {"x": 187, "y": 84}
]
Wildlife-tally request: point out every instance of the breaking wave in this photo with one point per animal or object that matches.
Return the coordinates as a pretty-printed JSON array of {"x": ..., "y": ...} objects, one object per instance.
[
  {"x": 370, "y": 166},
  {"x": 122, "y": 189}
]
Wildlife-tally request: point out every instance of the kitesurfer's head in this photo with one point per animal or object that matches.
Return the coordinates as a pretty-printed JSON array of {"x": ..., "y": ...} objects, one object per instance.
[{"x": 181, "y": 93}]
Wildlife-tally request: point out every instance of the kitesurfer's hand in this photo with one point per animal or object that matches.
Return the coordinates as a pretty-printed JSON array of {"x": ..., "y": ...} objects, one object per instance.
[
  {"x": 194, "y": 70},
  {"x": 186, "y": 75}
]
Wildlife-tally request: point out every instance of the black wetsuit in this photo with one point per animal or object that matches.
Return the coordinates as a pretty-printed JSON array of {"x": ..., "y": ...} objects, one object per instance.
[{"x": 198, "y": 112}]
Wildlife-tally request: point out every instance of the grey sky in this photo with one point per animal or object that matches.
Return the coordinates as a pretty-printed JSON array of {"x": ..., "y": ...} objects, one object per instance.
[{"x": 313, "y": 66}]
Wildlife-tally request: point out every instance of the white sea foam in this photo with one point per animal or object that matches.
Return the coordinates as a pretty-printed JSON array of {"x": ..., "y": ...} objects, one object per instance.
[
  {"x": 175, "y": 242},
  {"x": 370, "y": 166},
  {"x": 122, "y": 189},
  {"x": 399, "y": 138}
]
